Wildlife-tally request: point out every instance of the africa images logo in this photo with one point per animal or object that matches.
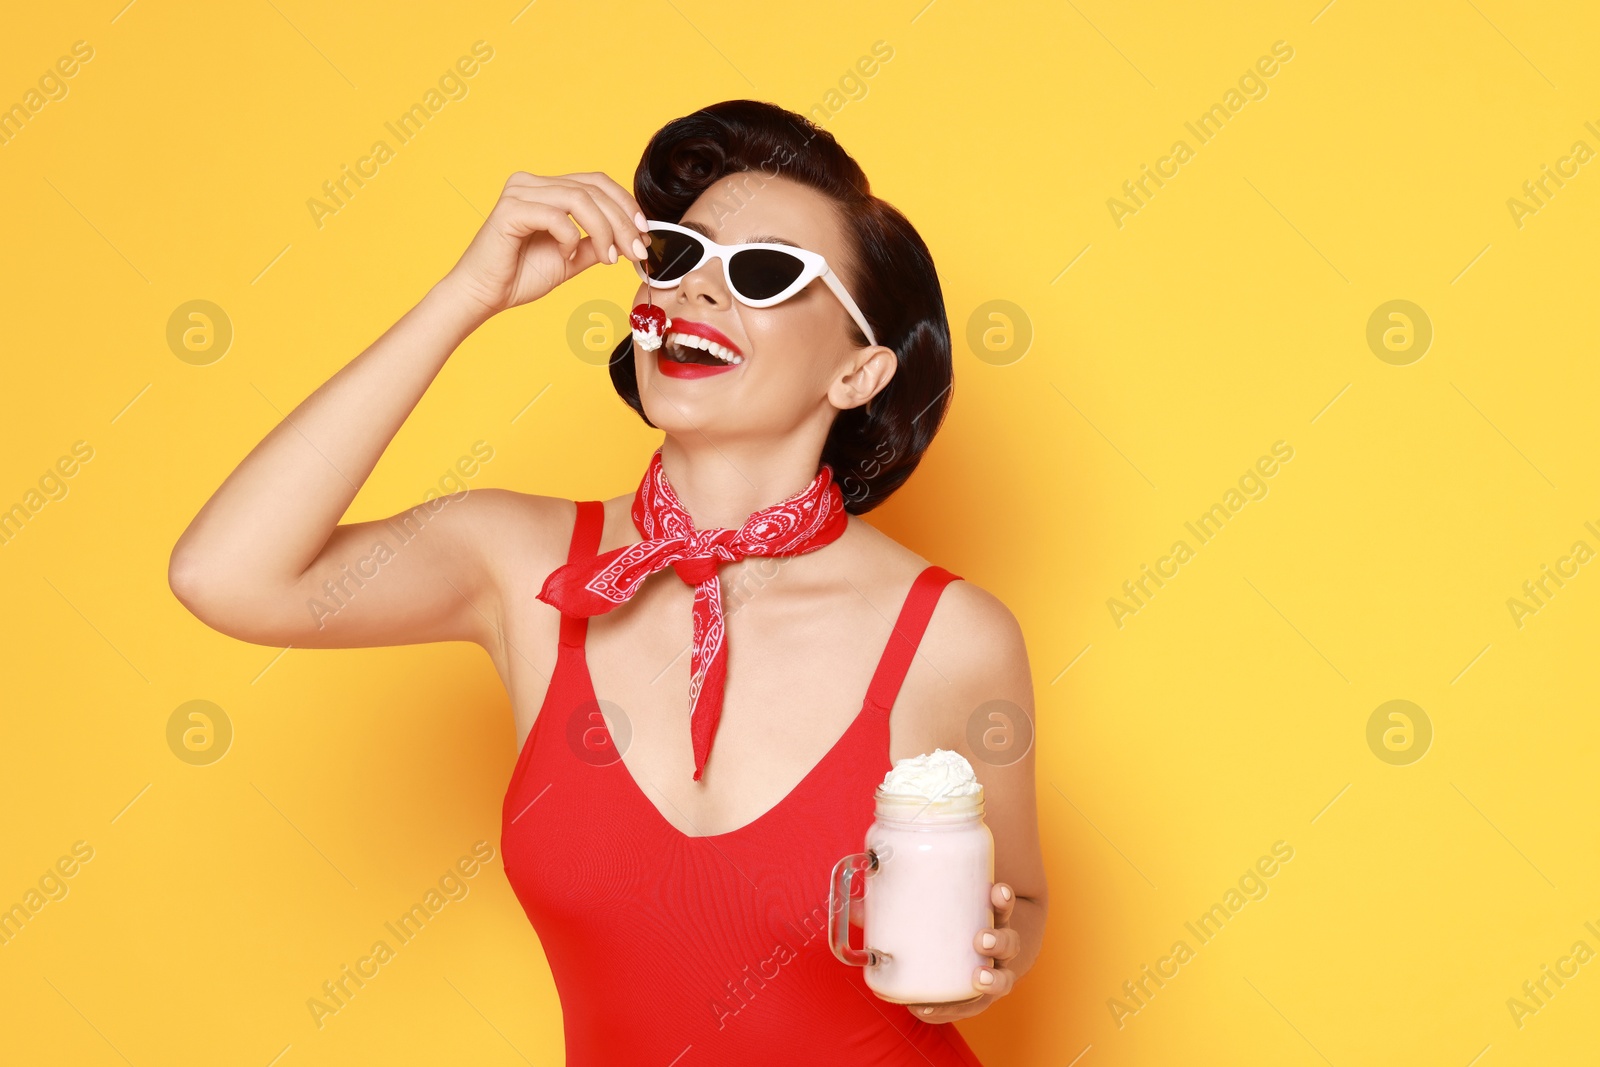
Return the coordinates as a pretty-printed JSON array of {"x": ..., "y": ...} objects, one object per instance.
[{"x": 1252, "y": 85}]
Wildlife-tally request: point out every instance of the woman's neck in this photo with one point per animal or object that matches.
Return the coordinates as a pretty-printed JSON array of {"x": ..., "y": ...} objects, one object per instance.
[{"x": 722, "y": 485}]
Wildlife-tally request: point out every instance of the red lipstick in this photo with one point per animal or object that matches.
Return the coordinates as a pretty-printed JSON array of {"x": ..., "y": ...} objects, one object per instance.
[{"x": 673, "y": 369}]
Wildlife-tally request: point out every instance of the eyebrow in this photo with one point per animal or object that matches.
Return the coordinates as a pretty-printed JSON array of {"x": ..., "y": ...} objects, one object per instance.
[{"x": 761, "y": 238}]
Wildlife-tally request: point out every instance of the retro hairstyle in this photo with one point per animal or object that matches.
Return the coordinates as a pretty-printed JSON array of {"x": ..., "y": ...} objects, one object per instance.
[{"x": 890, "y": 274}]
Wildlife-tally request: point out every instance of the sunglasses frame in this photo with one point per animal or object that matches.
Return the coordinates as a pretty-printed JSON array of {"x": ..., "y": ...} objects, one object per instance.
[{"x": 813, "y": 266}]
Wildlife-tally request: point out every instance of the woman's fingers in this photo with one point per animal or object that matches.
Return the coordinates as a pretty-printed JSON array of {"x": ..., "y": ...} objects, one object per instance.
[
  {"x": 624, "y": 200},
  {"x": 542, "y": 232},
  {"x": 623, "y": 233},
  {"x": 577, "y": 201},
  {"x": 946, "y": 1013},
  {"x": 583, "y": 203},
  {"x": 615, "y": 236},
  {"x": 523, "y": 216},
  {"x": 991, "y": 983},
  {"x": 608, "y": 193},
  {"x": 1002, "y": 899},
  {"x": 995, "y": 981},
  {"x": 1000, "y": 944}
]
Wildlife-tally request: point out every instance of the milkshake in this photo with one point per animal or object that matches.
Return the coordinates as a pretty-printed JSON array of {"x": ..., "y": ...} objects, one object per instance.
[{"x": 929, "y": 868}]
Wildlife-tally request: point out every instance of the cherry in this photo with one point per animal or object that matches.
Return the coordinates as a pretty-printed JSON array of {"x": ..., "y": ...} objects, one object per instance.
[{"x": 649, "y": 324}]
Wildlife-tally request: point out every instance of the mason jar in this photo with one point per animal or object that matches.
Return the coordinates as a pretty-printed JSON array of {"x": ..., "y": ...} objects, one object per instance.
[{"x": 928, "y": 870}]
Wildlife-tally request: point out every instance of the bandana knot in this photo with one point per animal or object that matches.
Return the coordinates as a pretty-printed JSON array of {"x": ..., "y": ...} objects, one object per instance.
[
  {"x": 804, "y": 522},
  {"x": 697, "y": 569}
]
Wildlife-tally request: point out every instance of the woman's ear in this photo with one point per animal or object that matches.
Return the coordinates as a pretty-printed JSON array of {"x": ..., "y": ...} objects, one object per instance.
[{"x": 865, "y": 377}]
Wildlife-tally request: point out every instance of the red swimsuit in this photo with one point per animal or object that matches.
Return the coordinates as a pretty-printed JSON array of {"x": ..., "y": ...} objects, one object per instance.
[{"x": 677, "y": 951}]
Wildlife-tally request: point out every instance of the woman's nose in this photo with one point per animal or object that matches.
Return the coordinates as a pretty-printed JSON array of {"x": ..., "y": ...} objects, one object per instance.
[{"x": 705, "y": 284}]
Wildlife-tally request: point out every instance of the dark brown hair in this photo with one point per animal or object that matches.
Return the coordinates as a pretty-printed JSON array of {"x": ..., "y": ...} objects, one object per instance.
[{"x": 890, "y": 274}]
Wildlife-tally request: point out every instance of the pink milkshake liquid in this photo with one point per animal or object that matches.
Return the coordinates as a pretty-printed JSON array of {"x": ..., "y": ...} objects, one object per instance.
[{"x": 928, "y": 870}]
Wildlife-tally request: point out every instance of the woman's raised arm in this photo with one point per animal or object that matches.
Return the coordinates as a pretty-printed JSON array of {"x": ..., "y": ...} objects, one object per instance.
[{"x": 266, "y": 559}]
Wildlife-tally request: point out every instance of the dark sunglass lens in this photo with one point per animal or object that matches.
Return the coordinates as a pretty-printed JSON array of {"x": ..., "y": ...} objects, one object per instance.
[
  {"x": 671, "y": 255},
  {"x": 760, "y": 273}
]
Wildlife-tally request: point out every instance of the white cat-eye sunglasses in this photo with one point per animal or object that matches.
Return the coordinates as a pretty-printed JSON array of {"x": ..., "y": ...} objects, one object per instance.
[{"x": 760, "y": 274}]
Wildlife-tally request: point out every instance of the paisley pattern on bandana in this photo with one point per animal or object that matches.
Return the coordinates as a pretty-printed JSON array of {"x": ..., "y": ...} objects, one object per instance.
[{"x": 805, "y": 522}]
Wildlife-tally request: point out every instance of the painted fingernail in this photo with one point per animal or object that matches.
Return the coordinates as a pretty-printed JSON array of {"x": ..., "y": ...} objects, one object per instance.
[
  {"x": 985, "y": 978},
  {"x": 639, "y": 249},
  {"x": 1005, "y": 892},
  {"x": 638, "y": 216},
  {"x": 611, "y": 253},
  {"x": 988, "y": 941}
]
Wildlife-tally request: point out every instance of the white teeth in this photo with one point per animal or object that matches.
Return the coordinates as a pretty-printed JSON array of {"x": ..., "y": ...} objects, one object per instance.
[{"x": 689, "y": 340}]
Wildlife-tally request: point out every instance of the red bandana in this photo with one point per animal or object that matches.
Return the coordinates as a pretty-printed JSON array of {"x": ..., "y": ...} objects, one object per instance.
[{"x": 805, "y": 522}]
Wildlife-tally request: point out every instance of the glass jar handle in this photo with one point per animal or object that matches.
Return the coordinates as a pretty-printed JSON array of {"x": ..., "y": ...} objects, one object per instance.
[{"x": 839, "y": 910}]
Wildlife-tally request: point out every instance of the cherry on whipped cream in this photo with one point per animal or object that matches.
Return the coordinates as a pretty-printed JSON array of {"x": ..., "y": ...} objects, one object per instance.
[{"x": 649, "y": 324}]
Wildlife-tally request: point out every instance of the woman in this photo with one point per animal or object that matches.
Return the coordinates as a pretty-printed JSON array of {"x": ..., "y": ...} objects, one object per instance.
[{"x": 673, "y": 850}]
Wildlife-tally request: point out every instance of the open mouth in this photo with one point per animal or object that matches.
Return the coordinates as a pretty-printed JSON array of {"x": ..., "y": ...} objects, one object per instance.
[{"x": 687, "y": 348}]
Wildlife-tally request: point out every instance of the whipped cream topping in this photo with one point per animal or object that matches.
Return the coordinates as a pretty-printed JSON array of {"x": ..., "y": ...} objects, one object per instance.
[
  {"x": 932, "y": 776},
  {"x": 649, "y": 340}
]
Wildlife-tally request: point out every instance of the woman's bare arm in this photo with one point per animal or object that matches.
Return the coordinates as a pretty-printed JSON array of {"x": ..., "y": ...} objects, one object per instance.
[
  {"x": 981, "y": 648},
  {"x": 266, "y": 559},
  {"x": 252, "y": 563}
]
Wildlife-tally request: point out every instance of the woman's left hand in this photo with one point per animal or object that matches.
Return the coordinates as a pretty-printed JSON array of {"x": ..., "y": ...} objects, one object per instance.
[{"x": 992, "y": 983}]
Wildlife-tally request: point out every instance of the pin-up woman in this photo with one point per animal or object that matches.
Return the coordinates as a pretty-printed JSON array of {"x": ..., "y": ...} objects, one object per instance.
[{"x": 710, "y": 673}]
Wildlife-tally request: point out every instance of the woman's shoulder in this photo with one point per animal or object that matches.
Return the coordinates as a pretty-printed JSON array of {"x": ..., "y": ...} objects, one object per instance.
[
  {"x": 965, "y": 611},
  {"x": 524, "y": 534},
  {"x": 972, "y": 652}
]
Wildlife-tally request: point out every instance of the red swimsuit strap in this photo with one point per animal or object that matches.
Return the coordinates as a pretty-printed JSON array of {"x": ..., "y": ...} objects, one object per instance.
[
  {"x": 585, "y": 544},
  {"x": 906, "y": 635}
]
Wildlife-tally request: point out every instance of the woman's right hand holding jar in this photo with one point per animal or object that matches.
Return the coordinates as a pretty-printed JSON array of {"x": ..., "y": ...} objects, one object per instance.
[{"x": 1002, "y": 944}]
